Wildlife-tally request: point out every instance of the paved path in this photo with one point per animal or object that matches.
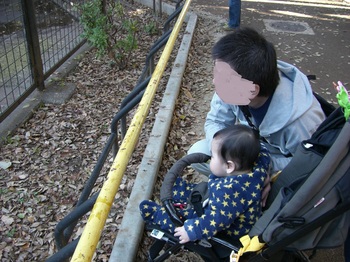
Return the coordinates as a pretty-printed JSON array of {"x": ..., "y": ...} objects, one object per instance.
[{"x": 323, "y": 49}]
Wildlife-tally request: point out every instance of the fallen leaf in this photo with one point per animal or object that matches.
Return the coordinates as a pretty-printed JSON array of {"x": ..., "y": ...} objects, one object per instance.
[
  {"x": 5, "y": 164},
  {"x": 7, "y": 220}
]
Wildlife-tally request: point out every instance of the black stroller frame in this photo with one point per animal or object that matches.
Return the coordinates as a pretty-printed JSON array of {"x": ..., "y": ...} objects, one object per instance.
[
  {"x": 219, "y": 249},
  {"x": 203, "y": 248}
]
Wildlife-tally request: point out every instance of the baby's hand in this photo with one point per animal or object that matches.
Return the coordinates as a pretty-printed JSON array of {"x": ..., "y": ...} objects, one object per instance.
[{"x": 182, "y": 234}]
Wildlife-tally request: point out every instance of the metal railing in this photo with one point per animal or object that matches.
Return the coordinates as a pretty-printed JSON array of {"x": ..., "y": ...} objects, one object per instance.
[
  {"x": 37, "y": 37},
  {"x": 85, "y": 204}
]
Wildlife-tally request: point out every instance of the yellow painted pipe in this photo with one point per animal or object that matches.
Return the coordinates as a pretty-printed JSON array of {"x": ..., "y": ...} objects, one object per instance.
[{"x": 87, "y": 244}]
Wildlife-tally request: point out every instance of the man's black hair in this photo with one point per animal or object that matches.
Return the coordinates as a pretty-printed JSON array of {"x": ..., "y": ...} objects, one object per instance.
[
  {"x": 240, "y": 144},
  {"x": 251, "y": 56}
]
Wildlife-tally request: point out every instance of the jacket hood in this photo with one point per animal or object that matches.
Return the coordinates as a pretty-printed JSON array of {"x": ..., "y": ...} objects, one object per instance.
[{"x": 295, "y": 92}]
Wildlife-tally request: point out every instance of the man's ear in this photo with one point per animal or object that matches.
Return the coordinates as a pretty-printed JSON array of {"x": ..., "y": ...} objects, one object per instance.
[
  {"x": 254, "y": 93},
  {"x": 231, "y": 166}
]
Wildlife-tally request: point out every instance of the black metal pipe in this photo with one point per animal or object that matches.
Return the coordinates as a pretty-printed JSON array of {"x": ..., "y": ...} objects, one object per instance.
[
  {"x": 142, "y": 84},
  {"x": 156, "y": 46},
  {"x": 123, "y": 113},
  {"x": 171, "y": 18},
  {"x": 72, "y": 218},
  {"x": 89, "y": 186},
  {"x": 124, "y": 104},
  {"x": 64, "y": 253},
  {"x": 128, "y": 99}
]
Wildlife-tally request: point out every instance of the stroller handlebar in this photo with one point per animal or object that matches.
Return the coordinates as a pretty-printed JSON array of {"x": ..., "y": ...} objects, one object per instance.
[{"x": 166, "y": 192}]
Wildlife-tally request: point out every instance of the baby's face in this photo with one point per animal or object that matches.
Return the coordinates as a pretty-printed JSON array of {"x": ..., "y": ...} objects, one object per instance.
[{"x": 218, "y": 165}]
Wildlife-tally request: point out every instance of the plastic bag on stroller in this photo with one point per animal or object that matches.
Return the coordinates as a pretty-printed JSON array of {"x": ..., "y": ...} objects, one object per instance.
[{"x": 309, "y": 203}]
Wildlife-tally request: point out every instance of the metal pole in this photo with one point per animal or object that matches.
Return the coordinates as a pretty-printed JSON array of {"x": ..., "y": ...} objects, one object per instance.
[
  {"x": 33, "y": 43},
  {"x": 97, "y": 219}
]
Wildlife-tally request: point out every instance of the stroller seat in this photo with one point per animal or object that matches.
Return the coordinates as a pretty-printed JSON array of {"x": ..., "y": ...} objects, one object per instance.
[{"x": 308, "y": 206}]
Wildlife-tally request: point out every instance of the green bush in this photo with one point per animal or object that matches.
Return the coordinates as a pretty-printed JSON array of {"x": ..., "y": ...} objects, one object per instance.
[
  {"x": 152, "y": 28},
  {"x": 108, "y": 28}
]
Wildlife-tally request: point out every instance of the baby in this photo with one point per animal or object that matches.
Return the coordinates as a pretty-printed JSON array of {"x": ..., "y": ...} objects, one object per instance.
[{"x": 239, "y": 166}]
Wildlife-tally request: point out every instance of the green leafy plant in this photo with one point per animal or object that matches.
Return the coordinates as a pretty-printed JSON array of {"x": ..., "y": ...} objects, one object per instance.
[
  {"x": 10, "y": 140},
  {"x": 11, "y": 233},
  {"x": 151, "y": 28},
  {"x": 108, "y": 28},
  {"x": 3, "y": 191}
]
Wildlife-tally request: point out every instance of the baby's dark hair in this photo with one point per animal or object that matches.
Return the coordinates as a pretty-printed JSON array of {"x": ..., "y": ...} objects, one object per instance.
[{"x": 240, "y": 144}]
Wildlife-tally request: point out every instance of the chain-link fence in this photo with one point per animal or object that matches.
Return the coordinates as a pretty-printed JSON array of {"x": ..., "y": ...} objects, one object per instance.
[{"x": 36, "y": 36}]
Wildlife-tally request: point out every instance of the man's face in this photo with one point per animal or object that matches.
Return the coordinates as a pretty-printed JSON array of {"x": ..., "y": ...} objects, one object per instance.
[{"x": 230, "y": 86}]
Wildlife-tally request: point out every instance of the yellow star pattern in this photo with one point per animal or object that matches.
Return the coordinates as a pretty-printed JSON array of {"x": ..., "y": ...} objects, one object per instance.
[
  {"x": 190, "y": 228},
  {"x": 233, "y": 206}
]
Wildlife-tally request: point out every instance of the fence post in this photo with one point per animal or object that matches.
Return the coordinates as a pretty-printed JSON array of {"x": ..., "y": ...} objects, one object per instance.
[{"x": 33, "y": 43}]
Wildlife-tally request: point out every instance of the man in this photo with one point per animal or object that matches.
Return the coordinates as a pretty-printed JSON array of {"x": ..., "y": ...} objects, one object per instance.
[
  {"x": 278, "y": 97},
  {"x": 234, "y": 15}
]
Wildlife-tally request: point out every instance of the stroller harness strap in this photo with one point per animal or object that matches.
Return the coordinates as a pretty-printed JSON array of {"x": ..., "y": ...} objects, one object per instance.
[{"x": 198, "y": 195}]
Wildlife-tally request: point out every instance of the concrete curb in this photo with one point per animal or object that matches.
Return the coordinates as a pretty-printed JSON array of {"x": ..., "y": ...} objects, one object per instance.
[{"x": 131, "y": 230}]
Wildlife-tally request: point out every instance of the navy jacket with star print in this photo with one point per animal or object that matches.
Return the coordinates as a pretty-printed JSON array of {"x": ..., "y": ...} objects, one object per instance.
[{"x": 234, "y": 203}]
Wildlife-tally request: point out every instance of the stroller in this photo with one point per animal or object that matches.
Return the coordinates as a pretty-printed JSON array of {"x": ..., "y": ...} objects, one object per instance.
[{"x": 308, "y": 205}]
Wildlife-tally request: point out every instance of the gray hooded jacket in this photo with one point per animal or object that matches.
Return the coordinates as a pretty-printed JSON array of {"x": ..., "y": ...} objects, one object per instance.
[{"x": 293, "y": 115}]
